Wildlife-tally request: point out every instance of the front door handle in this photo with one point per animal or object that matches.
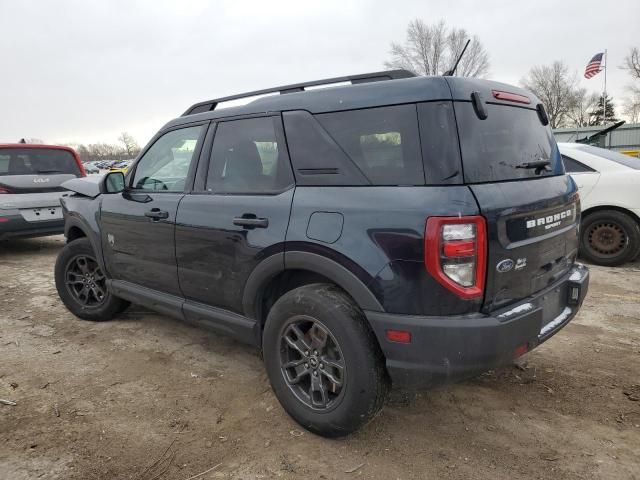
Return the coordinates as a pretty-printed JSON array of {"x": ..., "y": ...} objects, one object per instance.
[
  {"x": 249, "y": 220},
  {"x": 156, "y": 214}
]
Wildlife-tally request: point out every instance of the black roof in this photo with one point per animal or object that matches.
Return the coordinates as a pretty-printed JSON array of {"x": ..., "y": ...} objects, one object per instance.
[{"x": 397, "y": 88}]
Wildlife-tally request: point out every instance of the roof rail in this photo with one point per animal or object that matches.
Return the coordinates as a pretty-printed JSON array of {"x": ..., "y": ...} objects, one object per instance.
[{"x": 300, "y": 87}]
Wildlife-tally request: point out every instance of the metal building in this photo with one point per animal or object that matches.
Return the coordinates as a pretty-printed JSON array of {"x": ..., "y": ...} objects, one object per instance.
[{"x": 624, "y": 138}]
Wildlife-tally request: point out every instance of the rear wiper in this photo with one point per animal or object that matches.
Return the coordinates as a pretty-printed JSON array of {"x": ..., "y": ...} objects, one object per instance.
[
  {"x": 49, "y": 171},
  {"x": 539, "y": 166}
]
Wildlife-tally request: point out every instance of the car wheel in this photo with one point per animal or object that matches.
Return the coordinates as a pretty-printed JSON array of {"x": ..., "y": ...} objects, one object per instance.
[
  {"x": 81, "y": 283},
  {"x": 609, "y": 238},
  {"x": 324, "y": 363}
]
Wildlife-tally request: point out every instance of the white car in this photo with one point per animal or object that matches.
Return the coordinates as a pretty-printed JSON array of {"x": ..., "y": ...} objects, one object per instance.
[{"x": 609, "y": 185}]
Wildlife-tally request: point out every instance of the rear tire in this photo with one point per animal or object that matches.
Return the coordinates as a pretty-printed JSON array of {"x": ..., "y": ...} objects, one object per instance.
[
  {"x": 81, "y": 284},
  {"x": 609, "y": 238},
  {"x": 324, "y": 363}
]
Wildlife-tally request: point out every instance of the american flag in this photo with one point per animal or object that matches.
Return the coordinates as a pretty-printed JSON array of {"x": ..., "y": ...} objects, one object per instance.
[{"x": 594, "y": 66}]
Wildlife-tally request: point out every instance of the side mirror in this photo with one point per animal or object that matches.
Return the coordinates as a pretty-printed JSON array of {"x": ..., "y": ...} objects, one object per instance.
[{"x": 112, "y": 182}]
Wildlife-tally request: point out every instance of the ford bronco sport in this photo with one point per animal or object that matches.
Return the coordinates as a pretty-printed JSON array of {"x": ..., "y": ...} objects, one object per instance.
[{"x": 398, "y": 230}]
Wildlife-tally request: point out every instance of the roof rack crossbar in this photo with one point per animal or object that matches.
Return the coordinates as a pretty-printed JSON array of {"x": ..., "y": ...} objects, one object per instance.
[{"x": 209, "y": 105}]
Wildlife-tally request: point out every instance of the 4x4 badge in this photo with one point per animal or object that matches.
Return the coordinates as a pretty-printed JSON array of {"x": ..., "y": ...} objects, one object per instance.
[{"x": 505, "y": 265}]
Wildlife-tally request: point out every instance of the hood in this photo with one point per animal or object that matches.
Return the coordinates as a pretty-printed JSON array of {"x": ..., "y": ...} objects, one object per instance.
[{"x": 87, "y": 186}]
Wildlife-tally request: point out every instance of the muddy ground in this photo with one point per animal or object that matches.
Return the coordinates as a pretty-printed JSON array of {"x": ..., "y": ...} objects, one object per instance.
[{"x": 145, "y": 397}]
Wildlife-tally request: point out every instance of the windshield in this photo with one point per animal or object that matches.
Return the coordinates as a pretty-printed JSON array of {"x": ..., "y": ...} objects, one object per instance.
[
  {"x": 617, "y": 157},
  {"x": 37, "y": 161},
  {"x": 510, "y": 144}
]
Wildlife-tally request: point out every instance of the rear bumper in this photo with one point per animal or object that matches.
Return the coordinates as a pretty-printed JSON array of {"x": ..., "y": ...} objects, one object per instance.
[
  {"x": 12, "y": 224},
  {"x": 445, "y": 349}
]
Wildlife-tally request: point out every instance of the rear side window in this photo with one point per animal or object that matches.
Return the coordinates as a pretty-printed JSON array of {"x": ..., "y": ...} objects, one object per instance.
[
  {"x": 439, "y": 138},
  {"x": 247, "y": 157},
  {"x": 500, "y": 147},
  {"x": 37, "y": 161},
  {"x": 384, "y": 142},
  {"x": 573, "y": 166}
]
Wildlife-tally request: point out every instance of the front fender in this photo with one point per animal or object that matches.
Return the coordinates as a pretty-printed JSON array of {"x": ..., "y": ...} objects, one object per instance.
[{"x": 83, "y": 213}]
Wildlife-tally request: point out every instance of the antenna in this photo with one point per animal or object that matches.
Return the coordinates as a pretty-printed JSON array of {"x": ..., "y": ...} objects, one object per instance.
[{"x": 452, "y": 72}]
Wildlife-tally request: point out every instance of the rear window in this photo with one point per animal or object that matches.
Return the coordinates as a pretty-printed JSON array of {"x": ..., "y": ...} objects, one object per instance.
[
  {"x": 617, "y": 157},
  {"x": 382, "y": 142},
  {"x": 36, "y": 161},
  {"x": 499, "y": 147}
]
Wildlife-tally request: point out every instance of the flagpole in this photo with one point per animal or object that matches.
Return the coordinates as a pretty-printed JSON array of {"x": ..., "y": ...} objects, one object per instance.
[{"x": 604, "y": 95}]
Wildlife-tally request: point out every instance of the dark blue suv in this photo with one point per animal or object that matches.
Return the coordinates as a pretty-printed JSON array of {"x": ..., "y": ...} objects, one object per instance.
[{"x": 398, "y": 230}]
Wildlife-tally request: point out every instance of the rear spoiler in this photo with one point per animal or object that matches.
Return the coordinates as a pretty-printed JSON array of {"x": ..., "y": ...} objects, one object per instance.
[{"x": 593, "y": 139}]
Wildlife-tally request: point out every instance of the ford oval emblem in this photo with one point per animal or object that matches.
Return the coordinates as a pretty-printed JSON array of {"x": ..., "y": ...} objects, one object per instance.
[{"x": 505, "y": 265}]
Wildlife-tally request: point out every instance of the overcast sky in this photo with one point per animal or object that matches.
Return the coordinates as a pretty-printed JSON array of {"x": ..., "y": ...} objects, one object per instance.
[{"x": 84, "y": 71}]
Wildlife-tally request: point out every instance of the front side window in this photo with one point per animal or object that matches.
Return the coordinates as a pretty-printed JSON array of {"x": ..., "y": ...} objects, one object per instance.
[
  {"x": 248, "y": 158},
  {"x": 165, "y": 166}
]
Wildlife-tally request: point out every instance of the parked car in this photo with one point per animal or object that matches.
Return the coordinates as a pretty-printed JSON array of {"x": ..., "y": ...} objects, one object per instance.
[
  {"x": 91, "y": 168},
  {"x": 412, "y": 230},
  {"x": 121, "y": 166},
  {"x": 30, "y": 179},
  {"x": 609, "y": 184}
]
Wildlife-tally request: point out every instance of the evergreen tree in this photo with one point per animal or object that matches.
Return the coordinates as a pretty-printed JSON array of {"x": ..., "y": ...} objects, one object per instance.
[{"x": 598, "y": 112}]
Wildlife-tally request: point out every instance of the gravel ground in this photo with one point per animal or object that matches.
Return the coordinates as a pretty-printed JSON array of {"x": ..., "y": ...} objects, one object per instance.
[{"x": 145, "y": 397}]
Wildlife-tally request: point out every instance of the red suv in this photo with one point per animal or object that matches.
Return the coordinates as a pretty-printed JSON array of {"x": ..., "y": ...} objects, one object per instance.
[{"x": 30, "y": 179}]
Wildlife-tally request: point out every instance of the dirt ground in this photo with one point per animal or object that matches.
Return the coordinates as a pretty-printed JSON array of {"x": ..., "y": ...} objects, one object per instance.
[{"x": 145, "y": 397}]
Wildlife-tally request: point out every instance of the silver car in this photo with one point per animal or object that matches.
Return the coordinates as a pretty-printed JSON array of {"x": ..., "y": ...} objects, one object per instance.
[{"x": 30, "y": 179}]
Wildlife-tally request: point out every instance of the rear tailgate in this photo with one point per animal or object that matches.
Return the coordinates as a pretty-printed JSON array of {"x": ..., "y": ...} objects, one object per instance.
[
  {"x": 532, "y": 213},
  {"x": 533, "y": 236}
]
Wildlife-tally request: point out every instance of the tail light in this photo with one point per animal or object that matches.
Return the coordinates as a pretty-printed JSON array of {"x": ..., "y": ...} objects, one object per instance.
[
  {"x": 83, "y": 172},
  {"x": 4, "y": 190},
  {"x": 455, "y": 253}
]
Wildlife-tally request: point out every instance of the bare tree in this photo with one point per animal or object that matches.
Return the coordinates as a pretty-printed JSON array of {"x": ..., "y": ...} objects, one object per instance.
[
  {"x": 582, "y": 108},
  {"x": 433, "y": 49},
  {"x": 632, "y": 103},
  {"x": 556, "y": 88},
  {"x": 632, "y": 63},
  {"x": 632, "y": 108},
  {"x": 130, "y": 145}
]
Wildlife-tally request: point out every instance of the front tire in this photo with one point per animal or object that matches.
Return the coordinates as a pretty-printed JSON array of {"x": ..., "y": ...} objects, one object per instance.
[
  {"x": 81, "y": 283},
  {"x": 323, "y": 360},
  {"x": 609, "y": 238}
]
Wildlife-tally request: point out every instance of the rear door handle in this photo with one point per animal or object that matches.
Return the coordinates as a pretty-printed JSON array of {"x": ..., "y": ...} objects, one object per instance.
[
  {"x": 252, "y": 221},
  {"x": 156, "y": 214}
]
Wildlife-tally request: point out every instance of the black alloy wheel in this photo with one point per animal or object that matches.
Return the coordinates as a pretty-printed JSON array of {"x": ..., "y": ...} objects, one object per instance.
[
  {"x": 85, "y": 281},
  {"x": 82, "y": 284},
  {"x": 323, "y": 360},
  {"x": 312, "y": 363}
]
